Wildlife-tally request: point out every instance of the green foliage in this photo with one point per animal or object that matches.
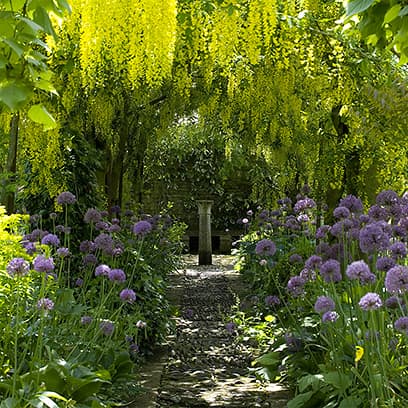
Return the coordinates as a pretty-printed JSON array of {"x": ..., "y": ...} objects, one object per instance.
[{"x": 382, "y": 23}]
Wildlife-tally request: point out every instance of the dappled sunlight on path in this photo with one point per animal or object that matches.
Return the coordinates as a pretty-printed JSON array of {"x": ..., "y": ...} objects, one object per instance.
[{"x": 207, "y": 366}]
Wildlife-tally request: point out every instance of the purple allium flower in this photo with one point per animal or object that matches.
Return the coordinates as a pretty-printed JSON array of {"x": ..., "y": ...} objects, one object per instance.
[
  {"x": 295, "y": 258},
  {"x": 296, "y": 286},
  {"x": 307, "y": 274},
  {"x": 104, "y": 213},
  {"x": 87, "y": 246},
  {"x": 398, "y": 249},
  {"x": 304, "y": 204},
  {"x": 43, "y": 264},
  {"x": 374, "y": 237},
  {"x": 140, "y": 324},
  {"x": 394, "y": 302},
  {"x": 330, "y": 316},
  {"x": 370, "y": 301},
  {"x": 330, "y": 271},
  {"x": 293, "y": 343},
  {"x": 114, "y": 228},
  {"x": 30, "y": 248},
  {"x": 117, "y": 275},
  {"x": 387, "y": 197},
  {"x": 45, "y": 304},
  {"x": 53, "y": 216},
  {"x": 377, "y": 213},
  {"x": 18, "y": 267},
  {"x": 50, "y": 239},
  {"x": 341, "y": 212},
  {"x": 102, "y": 270},
  {"x": 79, "y": 282},
  {"x": 107, "y": 327},
  {"x": 313, "y": 262},
  {"x": 127, "y": 295},
  {"x": 92, "y": 215},
  {"x": 361, "y": 271},
  {"x": 142, "y": 228},
  {"x": 292, "y": 223},
  {"x": 324, "y": 304},
  {"x": 272, "y": 300},
  {"x": 265, "y": 247},
  {"x": 37, "y": 235},
  {"x": 66, "y": 198},
  {"x": 384, "y": 263},
  {"x": 396, "y": 280},
  {"x": 104, "y": 242},
  {"x": 102, "y": 226},
  {"x": 86, "y": 320},
  {"x": 353, "y": 203},
  {"x": 402, "y": 324},
  {"x": 63, "y": 252},
  {"x": 322, "y": 231},
  {"x": 115, "y": 209},
  {"x": 90, "y": 259},
  {"x": 303, "y": 218},
  {"x": 134, "y": 348},
  {"x": 230, "y": 327}
]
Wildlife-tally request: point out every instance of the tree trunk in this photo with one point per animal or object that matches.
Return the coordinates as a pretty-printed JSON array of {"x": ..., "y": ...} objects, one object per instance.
[{"x": 11, "y": 169}]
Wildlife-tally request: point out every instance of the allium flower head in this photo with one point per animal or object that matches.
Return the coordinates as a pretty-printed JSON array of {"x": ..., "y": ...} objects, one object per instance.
[
  {"x": 142, "y": 228},
  {"x": 377, "y": 213},
  {"x": 107, "y": 327},
  {"x": 104, "y": 242},
  {"x": 394, "y": 302},
  {"x": 18, "y": 267},
  {"x": 296, "y": 286},
  {"x": 265, "y": 247},
  {"x": 341, "y": 212},
  {"x": 66, "y": 198},
  {"x": 330, "y": 271},
  {"x": 295, "y": 258},
  {"x": 370, "y": 301},
  {"x": 102, "y": 270},
  {"x": 387, "y": 197},
  {"x": 86, "y": 320},
  {"x": 399, "y": 249},
  {"x": 374, "y": 237},
  {"x": 304, "y": 204},
  {"x": 361, "y": 271},
  {"x": 87, "y": 246},
  {"x": 330, "y": 317},
  {"x": 402, "y": 324},
  {"x": 92, "y": 215},
  {"x": 50, "y": 239},
  {"x": 308, "y": 274},
  {"x": 117, "y": 275},
  {"x": 127, "y": 295},
  {"x": 45, "y": 304},
  {"x": 324, "y": 304},
  {"x": 272, "y": 300},
  {"x": 63, "y": 252},
  {"x": 396, "y": 280},
  {"x": 322, "y": 231},
  {"x": 43, "y": 264},
  {"x": 353, "y": 203},
  {"x": 313, "y": 262},
  {"x": 90, "y": 259},
  {"x": 384, "y": 263}
]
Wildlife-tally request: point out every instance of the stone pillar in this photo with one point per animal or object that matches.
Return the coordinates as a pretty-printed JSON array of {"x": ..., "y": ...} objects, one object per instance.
[{"x": 204, "y": 232}]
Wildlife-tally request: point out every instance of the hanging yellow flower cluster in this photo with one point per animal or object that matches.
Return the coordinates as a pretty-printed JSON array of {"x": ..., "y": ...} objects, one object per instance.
[{"x": 132, "y": 42}]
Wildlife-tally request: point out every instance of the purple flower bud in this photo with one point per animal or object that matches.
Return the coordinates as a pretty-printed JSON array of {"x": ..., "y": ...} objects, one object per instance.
[{"x": 66, "y": 198}]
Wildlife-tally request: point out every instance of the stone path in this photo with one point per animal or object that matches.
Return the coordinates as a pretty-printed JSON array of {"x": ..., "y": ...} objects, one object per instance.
[{"x": 205, "y": 365}]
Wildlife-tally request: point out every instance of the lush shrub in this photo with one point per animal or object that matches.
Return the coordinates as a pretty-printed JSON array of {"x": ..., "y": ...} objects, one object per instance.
[
  {"x": 76, "y": 320},
  {"x": 340, "y": 309}
]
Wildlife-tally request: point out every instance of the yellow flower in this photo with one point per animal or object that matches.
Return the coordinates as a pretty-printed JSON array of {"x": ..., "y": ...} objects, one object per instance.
[{"x": 359, "y": 353}]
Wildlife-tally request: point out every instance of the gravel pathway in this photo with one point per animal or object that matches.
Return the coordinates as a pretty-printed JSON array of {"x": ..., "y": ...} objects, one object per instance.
[{"x": 206, "y": 366}]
